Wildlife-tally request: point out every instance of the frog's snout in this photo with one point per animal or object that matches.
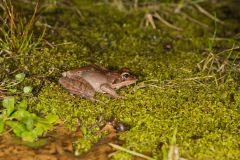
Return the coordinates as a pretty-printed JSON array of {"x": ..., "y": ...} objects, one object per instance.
[{"x": 64, "y": 74}]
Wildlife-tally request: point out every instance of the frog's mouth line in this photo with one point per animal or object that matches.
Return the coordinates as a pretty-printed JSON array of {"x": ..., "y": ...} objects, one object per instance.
[{"x": 123, "y": 84}]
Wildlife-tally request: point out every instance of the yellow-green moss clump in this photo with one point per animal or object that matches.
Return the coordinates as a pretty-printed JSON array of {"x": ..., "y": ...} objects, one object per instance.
[{"x": 171, "y": 92}]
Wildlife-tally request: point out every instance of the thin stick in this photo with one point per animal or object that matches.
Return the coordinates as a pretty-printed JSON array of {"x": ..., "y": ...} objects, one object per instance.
[
  {"x": 130, "y": 152},
  {"x": 166, "y": 22},
  {"x": 221, "y": 39},
  {"x": 194, "y": 20},
  {"x": 203, "y": 11},
  {"x": 180, "y": 5},
  {"x": 227, "y": 50},
  {"x": 196, "y": 78},
  {"x": 149, "y": 19},
  {"x": 135, "y": 4}
]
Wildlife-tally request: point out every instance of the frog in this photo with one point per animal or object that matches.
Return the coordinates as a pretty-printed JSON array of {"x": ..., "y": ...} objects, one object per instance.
[{"x": 86, "y": 81}]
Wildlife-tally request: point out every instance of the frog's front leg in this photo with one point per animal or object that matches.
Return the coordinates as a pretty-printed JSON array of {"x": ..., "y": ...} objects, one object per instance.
[
  {"x": 106, "y": 88},
  {"x": 78, "y": 86}
]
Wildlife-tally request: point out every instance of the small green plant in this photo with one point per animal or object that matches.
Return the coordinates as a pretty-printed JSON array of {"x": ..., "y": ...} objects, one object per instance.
[
  {"x": 218, "y": 64},
  {"x": 171, "y": 151},
  {"x": 8, "y": 87},
  {"x": 16, "y": 33},
  {"x": 24, "y": 124},
  {"x": 14, "y": 115},
  {"x": 84, "y": 144}
]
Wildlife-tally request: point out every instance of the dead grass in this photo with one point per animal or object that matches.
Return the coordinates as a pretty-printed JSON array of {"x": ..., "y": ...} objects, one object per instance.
[{"x": 16, "y": 33}]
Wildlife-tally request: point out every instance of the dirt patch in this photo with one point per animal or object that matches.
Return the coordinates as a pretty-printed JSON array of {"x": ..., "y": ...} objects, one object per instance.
[{"x": 56, "y": 145}]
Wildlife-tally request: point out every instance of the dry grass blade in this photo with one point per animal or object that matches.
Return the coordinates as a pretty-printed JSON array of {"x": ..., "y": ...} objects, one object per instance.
[
  {"x": 202, "y": 10},
  {"x": 130, "y": 152},
  {"x": 135, "y": 4},
  {"x": 219, "y": 64},
  {"x": 9, "y": 10},
  {"x": 208, "y": 60},
  {"x": 16, "y": 34},
  {"x": 223, "y": 67},
  {"x": 194, "y": 20},
  {"x": 179, "y": 6},
  {"x": 173, "y": 153},
  {"x": 197, "y": 78},
  {"x": 230, "y": 50},
  {"x": 149, "y": 20},
  {"x": 156, "y": 15}
]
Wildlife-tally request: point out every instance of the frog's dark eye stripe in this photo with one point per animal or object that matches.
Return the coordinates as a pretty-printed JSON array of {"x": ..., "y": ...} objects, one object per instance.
[{"x": 125, "y": 75}]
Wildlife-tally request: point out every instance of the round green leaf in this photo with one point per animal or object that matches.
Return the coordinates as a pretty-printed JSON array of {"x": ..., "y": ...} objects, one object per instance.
[
  {"x": 17, "y": 127},
  {"x": 38, "y": 131},
  {"x": 27, "y": 89},
  {"x": 22, "y": 105},
  {"x": 20, "y": 77},
  {"x": 9, "y": 103},
  {"x": 28, "y": 136},
  {"x": 29, "y": 122},
  {"x": 12, "y": 90},
  {"x": 43, "y": 124},
  {"x": 21, "y": 115}
]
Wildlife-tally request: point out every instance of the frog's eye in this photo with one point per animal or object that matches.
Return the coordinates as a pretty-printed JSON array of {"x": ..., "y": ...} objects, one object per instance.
[{"x": 125, "y": 75}]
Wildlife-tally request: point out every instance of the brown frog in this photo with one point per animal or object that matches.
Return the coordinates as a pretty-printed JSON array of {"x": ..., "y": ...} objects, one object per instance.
[{"x": 87, "y": 80}]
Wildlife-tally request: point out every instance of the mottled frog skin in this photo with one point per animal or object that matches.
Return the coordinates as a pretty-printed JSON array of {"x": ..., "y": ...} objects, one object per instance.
[{"x": 88, "y": 80}]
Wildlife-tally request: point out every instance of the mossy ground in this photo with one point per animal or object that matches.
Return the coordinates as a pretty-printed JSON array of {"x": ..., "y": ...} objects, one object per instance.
[{"x": 171, "y": 92}]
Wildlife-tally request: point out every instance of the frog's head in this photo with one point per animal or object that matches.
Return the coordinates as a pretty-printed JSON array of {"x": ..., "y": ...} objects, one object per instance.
[{"x": 122, "y": 78}]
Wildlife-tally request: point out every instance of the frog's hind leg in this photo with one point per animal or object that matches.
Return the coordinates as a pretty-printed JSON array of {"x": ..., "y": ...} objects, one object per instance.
[{"x": 78, "y": 86}]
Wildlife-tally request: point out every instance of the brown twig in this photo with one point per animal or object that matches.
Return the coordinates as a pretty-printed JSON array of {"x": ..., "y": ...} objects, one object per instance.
[
  {"x": 206, "y": 13},
  {"x": 149, "y": 20},
  {"x": 194, "y": 20},
  {"x": 161, "y": 19}
]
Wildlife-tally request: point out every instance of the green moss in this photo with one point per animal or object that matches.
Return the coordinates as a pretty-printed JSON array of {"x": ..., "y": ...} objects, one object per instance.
[{"x": 171, "y": 92}]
